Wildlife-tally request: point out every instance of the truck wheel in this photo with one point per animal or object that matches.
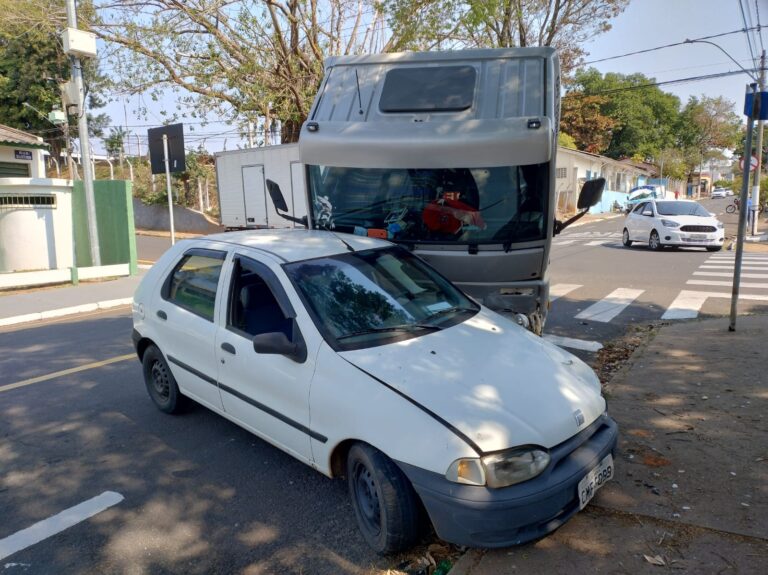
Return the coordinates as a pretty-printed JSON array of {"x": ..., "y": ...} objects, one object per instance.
[
  {"x": 161, "y": 385},
  {"x": 387, "y": 508}
]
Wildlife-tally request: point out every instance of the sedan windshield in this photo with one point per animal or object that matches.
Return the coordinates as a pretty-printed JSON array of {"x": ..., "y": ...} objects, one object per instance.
[
  {"x": 372, "y": 297},
  {"x": 682, "y": 209},
  {"x": 452, "y": 205}
]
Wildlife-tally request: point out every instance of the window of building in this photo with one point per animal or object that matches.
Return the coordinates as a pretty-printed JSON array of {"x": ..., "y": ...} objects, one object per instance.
[
  {"x": 562, "y": 173},
  {"x": 28, "y": 201},
  {"x": 14, "y": 170}
]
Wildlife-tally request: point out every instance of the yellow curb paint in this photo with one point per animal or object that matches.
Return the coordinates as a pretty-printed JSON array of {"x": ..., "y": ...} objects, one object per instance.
[{"x": 64, "y": 372}]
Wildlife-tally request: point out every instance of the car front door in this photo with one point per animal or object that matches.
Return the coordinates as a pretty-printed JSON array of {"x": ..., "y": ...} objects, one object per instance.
[
  {"x": 184, "y": 315},
  {"x": 635, "y": 221},
  {"x": 267, "y": 393}
]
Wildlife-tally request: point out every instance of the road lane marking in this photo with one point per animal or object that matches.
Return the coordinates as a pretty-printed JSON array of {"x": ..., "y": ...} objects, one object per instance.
[
  {"x": 563, "y": 242},
  {"x": 687, "y": 305},
  {"x": 69, "y": 371},
  {"x": 727, "y": 284},
  {"x": 730, "y": 275},
  {"x": 754, "y": 267},
  {"x": 559, "y": 290},
  {"x": 610, "y": 306},
  {"x": 572, "y": 343},
  {"x": 57, "y": 523},
  {"x": 598, "y": 242}
]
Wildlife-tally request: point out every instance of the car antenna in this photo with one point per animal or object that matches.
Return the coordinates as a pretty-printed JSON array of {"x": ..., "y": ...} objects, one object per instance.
[
  {"x": 343, "y": 241},
  {"x": 359, "y": 99}
]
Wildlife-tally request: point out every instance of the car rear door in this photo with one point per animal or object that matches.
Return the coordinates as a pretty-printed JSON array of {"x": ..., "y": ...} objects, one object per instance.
[
  {"x": 184, "y": 316},
  {"x": 635, "y": 221},
  {"x": 266, "y": 393}
]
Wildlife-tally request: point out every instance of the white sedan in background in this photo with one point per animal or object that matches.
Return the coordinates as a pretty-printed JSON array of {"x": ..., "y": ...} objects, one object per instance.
[{"x": 675, "y": 223}]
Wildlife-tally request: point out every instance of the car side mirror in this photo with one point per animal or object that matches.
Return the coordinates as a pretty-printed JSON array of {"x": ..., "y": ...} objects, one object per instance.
[
  {"x": 648, "y": 213},
  {"x": 590, "y": 193},
  {"x": 277, "y": 343}
]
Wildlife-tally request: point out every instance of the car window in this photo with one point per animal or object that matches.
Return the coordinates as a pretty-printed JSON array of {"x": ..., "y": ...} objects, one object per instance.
[
  {"x": 639, "y": 208},
  {"x": 253, "y": 307},
  {"x": 682, "y": 209},
  {"x": 372, "y": 297},
  {"x": 192, "y": 284}
]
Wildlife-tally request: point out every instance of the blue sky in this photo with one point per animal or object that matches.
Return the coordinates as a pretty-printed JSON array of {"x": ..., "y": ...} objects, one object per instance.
[{"x": 644, "y": 24}]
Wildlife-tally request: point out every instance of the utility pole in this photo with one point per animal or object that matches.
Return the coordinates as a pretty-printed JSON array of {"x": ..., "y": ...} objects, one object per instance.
[
  {"x": 85, "y": 146},
  {"x": 759, "y": 148}
]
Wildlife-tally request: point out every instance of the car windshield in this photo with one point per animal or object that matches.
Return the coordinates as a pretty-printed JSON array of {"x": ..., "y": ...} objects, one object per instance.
[
  {"x": 372, "y": 297},
  {"x": 453, "y": 205},
  {"x": 682, "y": 209}
]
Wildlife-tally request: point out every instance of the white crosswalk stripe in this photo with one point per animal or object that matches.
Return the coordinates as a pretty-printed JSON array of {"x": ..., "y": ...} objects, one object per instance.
[
  {"x": 730, "y": 275},
  {"x": 728, "y": 283},
  {"x": 560, "y": 290},
  {"x": 563, "y": 242},
  {"x": 610, "y": 306}
]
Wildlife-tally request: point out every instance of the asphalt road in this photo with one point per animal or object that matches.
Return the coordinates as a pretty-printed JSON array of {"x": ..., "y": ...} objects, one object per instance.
[{"x": 199, "y": 494}]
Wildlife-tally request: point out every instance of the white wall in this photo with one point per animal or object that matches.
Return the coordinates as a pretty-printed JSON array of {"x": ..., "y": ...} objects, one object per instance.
[
  {"x": 36, "y": 238},
  {"x": 37, "y": 165}
]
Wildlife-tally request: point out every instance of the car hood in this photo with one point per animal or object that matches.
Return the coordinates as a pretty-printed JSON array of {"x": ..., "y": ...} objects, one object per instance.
[
  {"x": 692, "y": 220},
  {"x": 497, "y": 383}
]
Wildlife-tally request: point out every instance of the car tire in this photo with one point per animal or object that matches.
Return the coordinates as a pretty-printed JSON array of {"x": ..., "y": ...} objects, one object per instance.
[
  {"x": 388, "y": 511},
  {"x": 625, "y": 238},
  {"x": 654, "y": 241},
  {"x": 161, "y": 385},
  {"x": 714, "y": 248}
]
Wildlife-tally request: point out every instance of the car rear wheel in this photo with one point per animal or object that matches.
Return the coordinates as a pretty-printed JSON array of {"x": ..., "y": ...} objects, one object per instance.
[
  {"x": 161, "y": 385},
  {"x": 388, "y": 512},
  {"x": 654, "y": 242},
  {"x": 625, "y": 238}
]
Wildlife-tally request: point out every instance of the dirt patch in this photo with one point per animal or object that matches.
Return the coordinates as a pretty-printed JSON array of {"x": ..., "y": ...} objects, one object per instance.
[{"x": 616, "y": 356}]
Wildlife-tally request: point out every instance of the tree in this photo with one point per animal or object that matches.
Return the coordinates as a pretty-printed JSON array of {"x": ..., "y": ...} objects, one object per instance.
[
  {"x": 644, "y": 117},
  {"x": 564, "y": 24},
  {"x": 707, "y": 126},
  {"x": 581, "y": 118},
  {"x": 240, "y": 60},
  {"x": 566, "y": 141},
  {"x": 32, "y": 64}
]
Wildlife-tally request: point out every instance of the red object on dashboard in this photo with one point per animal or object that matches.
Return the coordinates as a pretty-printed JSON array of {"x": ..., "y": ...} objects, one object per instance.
[{"x": 449, "y": 215}]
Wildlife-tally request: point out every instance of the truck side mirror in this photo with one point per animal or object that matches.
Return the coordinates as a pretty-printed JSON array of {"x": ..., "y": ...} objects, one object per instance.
[
  {"x": 590, "y": 194},
  {"x": 279, "y": 202},
  {"x": 277, "y": 196}
]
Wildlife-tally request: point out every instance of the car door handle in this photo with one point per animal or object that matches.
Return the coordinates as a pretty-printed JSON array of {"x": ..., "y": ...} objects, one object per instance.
[
  {"x": 228, "y": 347},
  {"x": 161, "y": 314}
]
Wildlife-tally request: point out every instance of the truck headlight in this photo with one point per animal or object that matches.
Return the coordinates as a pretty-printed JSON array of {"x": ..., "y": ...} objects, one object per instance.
[
  {"x": 669, "y": 224},
  {"x": 514, "y": 466}
]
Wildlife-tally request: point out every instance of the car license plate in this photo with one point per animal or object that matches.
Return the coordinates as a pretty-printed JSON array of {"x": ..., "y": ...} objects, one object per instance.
[{"x": 594, "y": 480}]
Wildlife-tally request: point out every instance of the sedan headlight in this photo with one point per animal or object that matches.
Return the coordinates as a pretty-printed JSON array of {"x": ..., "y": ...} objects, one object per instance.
[
  {"x": 720, "y": 225},
  {"x": 669, "y": 224},
  {"x": 500, "y": 469}
]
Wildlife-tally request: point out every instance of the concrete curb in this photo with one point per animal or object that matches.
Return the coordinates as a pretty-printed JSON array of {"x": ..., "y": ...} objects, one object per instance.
[{"x": 64, "y": 311}]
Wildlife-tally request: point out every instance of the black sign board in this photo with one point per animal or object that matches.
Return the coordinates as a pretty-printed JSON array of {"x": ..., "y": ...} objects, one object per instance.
[
  {"x": 176, "y": 159},
  {"x": 22, "y": 155}
]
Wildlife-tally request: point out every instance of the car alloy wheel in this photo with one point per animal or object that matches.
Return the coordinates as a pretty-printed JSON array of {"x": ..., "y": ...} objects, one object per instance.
[{"x": 654, "y": 242}]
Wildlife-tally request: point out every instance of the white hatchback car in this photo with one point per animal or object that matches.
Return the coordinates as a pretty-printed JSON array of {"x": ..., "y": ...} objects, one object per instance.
[
  {"x": 676, "y": 223},
  {"x": 359, "y": 359}
]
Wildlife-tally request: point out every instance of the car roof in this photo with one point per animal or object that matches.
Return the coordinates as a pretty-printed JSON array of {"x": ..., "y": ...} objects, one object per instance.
[{"x": 292, "y": 245}]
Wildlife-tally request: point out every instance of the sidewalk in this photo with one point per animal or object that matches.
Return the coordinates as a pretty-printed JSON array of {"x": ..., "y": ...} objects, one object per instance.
[
  {"x": 690, "y": 491},
  {"x": 45, "y": 303}
]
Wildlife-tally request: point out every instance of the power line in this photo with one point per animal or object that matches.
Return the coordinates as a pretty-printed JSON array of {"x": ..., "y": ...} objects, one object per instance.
[
  {"x": 759, "y": 27},
  {"x": 687, "y": 41},
  {"x": 744, "y": 19},
  {"x": 654, "y": 84}
]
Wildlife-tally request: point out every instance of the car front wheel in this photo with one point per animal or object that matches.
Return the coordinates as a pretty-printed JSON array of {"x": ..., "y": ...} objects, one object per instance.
[
  {"x": 387, "y": 508},
  {"x": 625, "y": 238},
  {"x": 161, "y": 385},
  {"x": 654, "y": 242}
]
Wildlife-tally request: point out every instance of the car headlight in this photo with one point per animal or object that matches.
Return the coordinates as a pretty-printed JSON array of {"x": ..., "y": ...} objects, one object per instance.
[
  {"x": 720, "y": 225},
  {"x": 669, "y": 224},
  {"x": 500, "y": 469}
]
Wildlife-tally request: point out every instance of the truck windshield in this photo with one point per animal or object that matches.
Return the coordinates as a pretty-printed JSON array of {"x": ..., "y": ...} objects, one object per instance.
[{"x": 453, "y": 205}]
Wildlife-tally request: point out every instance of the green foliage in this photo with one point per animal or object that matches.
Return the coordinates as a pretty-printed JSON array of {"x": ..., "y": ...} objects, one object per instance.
[
  {"x": 644, "y": 119},
  {"x": 566, "y": 141}
]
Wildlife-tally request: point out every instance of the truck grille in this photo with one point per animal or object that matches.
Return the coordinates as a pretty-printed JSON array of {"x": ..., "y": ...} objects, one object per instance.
[{"x": 698, "y": 229}]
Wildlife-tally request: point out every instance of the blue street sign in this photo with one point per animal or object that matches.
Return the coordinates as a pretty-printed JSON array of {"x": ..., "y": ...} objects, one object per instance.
[{"x": 763, "y": 105}]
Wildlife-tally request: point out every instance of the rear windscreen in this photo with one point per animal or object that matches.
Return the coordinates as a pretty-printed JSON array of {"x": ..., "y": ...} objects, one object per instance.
[{"x": 428, "y": 89}]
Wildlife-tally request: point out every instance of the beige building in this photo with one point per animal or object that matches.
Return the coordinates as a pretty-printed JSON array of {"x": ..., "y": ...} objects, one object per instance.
[{"x": 21, "y": 154}]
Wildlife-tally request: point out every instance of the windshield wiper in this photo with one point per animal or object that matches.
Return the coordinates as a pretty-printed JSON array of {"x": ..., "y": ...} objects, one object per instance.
[
  {"x": 406, "y": 327},
  {"x": 454, "y": 309}
]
